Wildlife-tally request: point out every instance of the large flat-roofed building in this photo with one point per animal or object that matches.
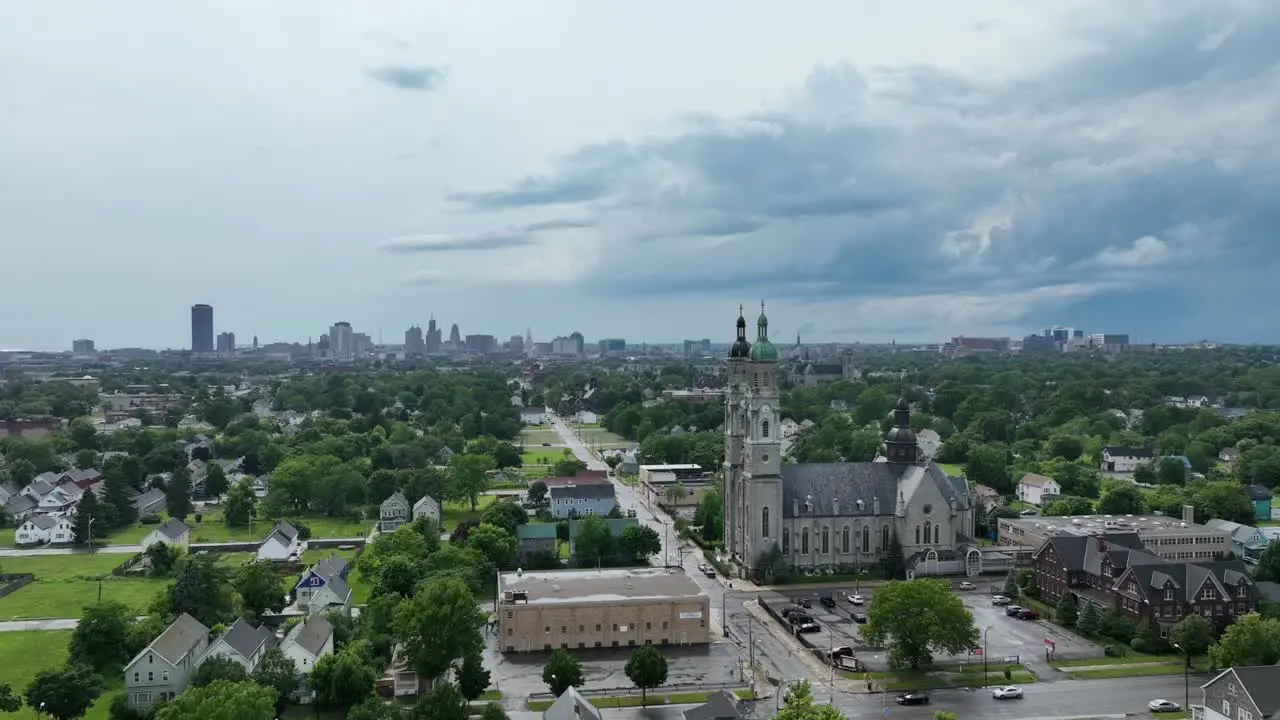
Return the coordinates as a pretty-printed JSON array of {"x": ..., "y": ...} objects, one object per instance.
[
  {"x": 1166, "y": 537},
  {"x": 615, "y": 607}
]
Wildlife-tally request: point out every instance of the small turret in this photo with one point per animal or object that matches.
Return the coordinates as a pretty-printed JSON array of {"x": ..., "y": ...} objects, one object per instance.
[
  {"x": 900, "y": 442},
  {"x": 763, "y": 350},
  {"x": 741, "y": 349}
]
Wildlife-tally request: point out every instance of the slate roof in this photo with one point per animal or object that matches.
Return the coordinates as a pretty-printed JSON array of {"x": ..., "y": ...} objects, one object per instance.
[
  {"x": 1242, "y": 534},
  {"x": 1261, "y": 683},
  {"x": 826, "y": 484},
  {"x": 1036, "y": 480},
  {"x": 311, "y": 634},
  {"x": 177, "y": 640},
  {"x": 592, "y": 491},
  {"x": 1082, "y": 552},
  {"x": 426, "y": 501},
  {"x": 334, "y": 571},
  {"x": 1121, "y": 451},
  {"x": 246, "y": 639},
  {"x": 149, "y": 497},
  {"x": 44, "y": 522},
  {"x": 286, "y": 532},
  {"x": 19, "y": 504},
  {"x": 536, "y": 531},
  {"x": 571, "y": 706},
  {"x": 173, "y": 529},
  {"x": 41, "y": 485},
  {"x": 720, "y": 705},
  {"x": 397, "y": 499},
  {"x": 1186, "y": 579}
]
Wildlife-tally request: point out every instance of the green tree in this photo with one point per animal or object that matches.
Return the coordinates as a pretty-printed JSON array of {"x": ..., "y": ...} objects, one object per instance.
[
  {"x": 218, "y": 667},
  {"x": 1011, "y": 585},
  {"x": 237, "y": 512},
  {"x": 506, "y": 515},
  {"x": 1066, "y": 505},
  {"x": 472, "y": 677},
  {"x": 88, "y": 517},
  {"x": 83, "y": 434},
  {"x": 468, "y": 477},
  {"x": 494, "y": 711},
  {"x": 215, "y": 482},
  {"x": 342, "y": 681},
  {"x": 561, "y": 672},
  {"x": 439, "y": 625},
  {"x": 118, "y": 477},
  {"x": 1087, "y": 621},
  {"x": 1068, "y": 611},
  {"x": 276, "y": 671},
  {"x": 895, "y": 564},
  {"x": 1250, "y": 640},
  {"x": 1268, "y": 567},
  {"x": 989, "y": 465},
  {"x": 1122, "y": 499},
  {"x": 177, "y": 494},
  {"x": 201, "y": 590},
  {"x": 9, "y": 702},
  {"x": 162, "y": 558},
  {"x": 1145, "y": 639},
  {"x": 802, "y": 706},
  {"x": 912, "y": 619},
  {"x": 1067, "y": 447},
  {"x": 1171, "y": 471},
  {"x": 594, "y": 543},
  {"x": 495, "y": 543},
  {"x": 101, "y": 639},
  {"x": 1192, "y": 634},
  {"x": 444, "y": 702},
  {"x": 375, "y": 709},
  {"x": 66, "y": 692},
  {"x": 647, "y": 669},
  {"x": 86, "y": 459},
  {"x": 260, "y": 590},
  {"x": 639, "y": 541},
  {"x": 537, "y": 492},
  {"x": 220, "y": 700}
]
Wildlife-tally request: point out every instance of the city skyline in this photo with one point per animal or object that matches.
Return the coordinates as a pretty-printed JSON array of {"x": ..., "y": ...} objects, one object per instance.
[{"x": 873, "y": 176}]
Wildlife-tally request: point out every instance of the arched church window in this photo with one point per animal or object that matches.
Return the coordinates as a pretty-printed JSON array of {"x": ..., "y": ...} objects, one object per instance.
[
  {"x": 786, "y": 540},
  {"x": 884, "y": 538},
  {"x": 804, "y": 541},
  {"x": 937, "y": 534},
  {"x": 928, "y": 531},
  {"x": 844, "y": 540},
  {"x": 866, "y": 538},
  {"x": 826, "y": 540},
  {"x": 917, "y": 534},
  {"x": 764, "y": 429},
  {"x": 764, "y": 522}
]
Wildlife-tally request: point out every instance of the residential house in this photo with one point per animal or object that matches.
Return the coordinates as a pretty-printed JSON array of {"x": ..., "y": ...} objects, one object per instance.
[
  {"x": 929, "y": 442},
  {"x": 586, "y": 417},
  {"x": 1124, "y": 459},
  {"x": 304, "y": 644},
  {"x": 1229, "y": 455},
  {"x": 41, "y": 485},
  {"x": 427, "y": 507},
  {"x": 393, "y": 512},
  {"x": 987, "y": 498},
  {"x": 1114, "y": 572},
  {"x": 581, "y": 496},
  {"x": 198, "y": 470},
  {"x": 615, "y": 525},
  {"x": 1240, "y": 693},
  {"x": 174, "y": 533},
  {"x": 45, "y": 529},
  {"x": 61, "y": 498},
  {"x": 533, "y": 416},
  {"x": 149, "y": 502},
  {"x": 282, "y": 543},
  {"x": 324, "y": 586},
  {"x": 571, "y": 705},
  {"x": 20, "y": 507},
  {"x": 243, "y": 643},
  {"x": 535, "y": 538},
  {"x": 1038, "y": 490},
  {"x": 1260, "y": 496},
  {"x": 1247, "y": 542},
  {"x": 720, "y": 705},
  {"x": 7, "y": 490},
  {"x": 163, "y": 669}
]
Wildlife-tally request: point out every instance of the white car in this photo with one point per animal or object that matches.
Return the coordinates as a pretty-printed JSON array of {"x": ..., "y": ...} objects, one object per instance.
[
  {"x": 1008, "y": 692},
  {"x": 1162, "y": 706},
  {"x": 967, "y": 586},
  {"x": 1000, "y": 600},
  {"x": 855, "y": 599}
]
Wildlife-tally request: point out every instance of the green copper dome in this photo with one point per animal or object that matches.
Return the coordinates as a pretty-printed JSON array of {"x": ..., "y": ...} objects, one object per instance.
[{"x": 763, "y": 350}]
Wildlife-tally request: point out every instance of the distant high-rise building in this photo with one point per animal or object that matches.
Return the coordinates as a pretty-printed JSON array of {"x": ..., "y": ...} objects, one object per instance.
[
  {"x": 455, "y": 338},
  {"x": 483, "y": 344},
  {"x": 82, "y": 347},
  {"x": 226, "y": 343},
  {"x": 697, "y": 348},
  {"x": 361, "y": 344},
  {"x": 578, "y": 342},
  {"x": 202, "y": 328},
  {"x": 433, "y": 337},
  {"x": 341, "y": 339},
  {"x": 516, "y": 345},
  {"x": 255, "y": 343},
  {"x": 612, "y": 346},
  {"x": 413, "y": 342}
]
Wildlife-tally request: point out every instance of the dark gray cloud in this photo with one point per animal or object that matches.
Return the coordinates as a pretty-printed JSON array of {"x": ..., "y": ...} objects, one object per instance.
[
  {"x": 917, "y": 182},
  {"x": 558, "y": 224},
  {"x": 441, "y": 243},
  {"x": 417, "y": 78}
]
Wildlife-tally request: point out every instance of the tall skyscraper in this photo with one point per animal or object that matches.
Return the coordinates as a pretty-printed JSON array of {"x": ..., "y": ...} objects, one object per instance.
[
  {"x": 202, "y": 328},
  {"x": 341, "y": 340},
  {"x": 433, "y": 337},
  {"x": 226, "y": 343},
  {"x": 82, "y": 347},
  {"x": 455, "y": 338},
  {"x": 413, "y": 342}
]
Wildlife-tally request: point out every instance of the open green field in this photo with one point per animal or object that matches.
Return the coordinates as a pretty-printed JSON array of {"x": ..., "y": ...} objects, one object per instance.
[
  {"x": 601, "y": 438},
  {"x": 64, "y": 584},
  {"x": 541, "y": 456},
  {"x": 27, "y": 653},
  {"x": 213, "y": 529},
  {"x": 454, "y": 513},
  {"x": 535, "y": 437},
  {"x": 952, "y": 469}
]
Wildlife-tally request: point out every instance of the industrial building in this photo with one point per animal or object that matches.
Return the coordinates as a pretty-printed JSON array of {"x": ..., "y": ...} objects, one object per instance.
[
  {"x": 613, "y": 607},
  {"x": 1166, "y": 537}
]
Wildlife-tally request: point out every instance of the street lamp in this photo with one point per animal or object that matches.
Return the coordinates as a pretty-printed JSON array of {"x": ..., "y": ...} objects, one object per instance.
[
  {"x": 984, "y": 655},
  {"x": 1186, "y": 678},
  {"x": 91, "y": 519}
]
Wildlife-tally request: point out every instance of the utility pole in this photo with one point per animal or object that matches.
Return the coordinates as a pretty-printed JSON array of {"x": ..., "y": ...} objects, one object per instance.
[{"x": 751, "y": 655}]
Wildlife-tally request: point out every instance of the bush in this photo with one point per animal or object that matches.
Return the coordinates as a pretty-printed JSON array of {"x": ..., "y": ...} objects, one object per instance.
[
  {"x": 150, "y": 520},
  {"x": 304, "y": 531},
  {"x": 199, "y": 517}
]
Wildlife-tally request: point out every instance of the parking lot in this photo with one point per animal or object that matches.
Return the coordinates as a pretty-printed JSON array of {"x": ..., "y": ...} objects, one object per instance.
[{"x": 1004, "y": 636}]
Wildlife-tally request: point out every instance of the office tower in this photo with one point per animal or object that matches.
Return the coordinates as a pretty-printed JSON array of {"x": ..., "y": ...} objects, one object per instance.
[
  {"x": 455, "y": 338},
  {"x": 226, "y": 343},
  {"x": 341, "y": 339},
  {"x": 202, "y": 328},
  {"x": 82, "y": 347},
  {"x": 413, "y": 342},
  {"x": 433, "y": 337}
]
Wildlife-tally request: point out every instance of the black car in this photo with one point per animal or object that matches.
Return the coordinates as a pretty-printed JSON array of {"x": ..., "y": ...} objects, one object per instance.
[
  {"x": 800, "y": 619},
  {"x": 827, "y": 601},
  {"x": 859, "y": 618},
  {"x": 913, "y": 699}
]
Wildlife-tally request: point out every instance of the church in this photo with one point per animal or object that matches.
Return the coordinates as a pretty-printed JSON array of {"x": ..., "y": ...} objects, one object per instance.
[{"x": 831, "y": 517}]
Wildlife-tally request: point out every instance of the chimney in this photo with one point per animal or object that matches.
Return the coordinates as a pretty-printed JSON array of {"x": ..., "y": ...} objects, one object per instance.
[
  {"x": 1102, "y": 542},
  {"x": 1188, "y": 513}
]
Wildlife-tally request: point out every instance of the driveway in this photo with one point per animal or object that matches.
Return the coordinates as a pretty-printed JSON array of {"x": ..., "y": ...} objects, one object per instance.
[
  {"x": 23, "y": 625},
  {"x": 39, "y": 551}
]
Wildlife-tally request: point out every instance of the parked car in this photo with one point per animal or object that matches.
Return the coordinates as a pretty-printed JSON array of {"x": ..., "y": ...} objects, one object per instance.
[
  {"x": 1012, "y": 610},
  {"x": 791, "y": 612},
  {"x": 1000, "y": 600},
  {"x": 859, "y": 618},
  {"x": 841, "y": 651},
  {"x": 913, "y": 699},
  {"x": 966, "y": 585},
  {"x": 809, "y": 627},
  {"x": 707, "y": 570},
  {"x": 827, "y": 601},
  {"x": 855, "y": 599},
  {"x": 1008, "y": 692},
  {"x": 1163, "y": 706},
  {"x": 799, "y": 618},
  {"x": 803, "y": 602},
  {"x": 1028, "y": 614}
]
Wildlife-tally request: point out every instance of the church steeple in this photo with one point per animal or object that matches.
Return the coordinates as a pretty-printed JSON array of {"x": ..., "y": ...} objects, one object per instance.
[
  {"x": 900, "y": 442},
  {"x": 763, "y": 350},
  {"x": 741, "y": 349}
]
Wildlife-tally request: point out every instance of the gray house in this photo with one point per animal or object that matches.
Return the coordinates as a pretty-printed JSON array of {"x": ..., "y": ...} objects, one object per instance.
[
  {"x": 1243, "y": 693},
  {"x": 394, "y": 512},
  {"x": 163, "y": 669},
  {"x": 243, "y": 643},
  {"x": 579, "y": 499},
  {"x": 427, "y": 507},
  {"x": 571, "y": 706},
  {"x": 534, "y": 538}
]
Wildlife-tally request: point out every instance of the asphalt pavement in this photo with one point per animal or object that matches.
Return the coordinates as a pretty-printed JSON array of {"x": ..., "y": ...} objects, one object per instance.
[{"x": 38, "y": 551}]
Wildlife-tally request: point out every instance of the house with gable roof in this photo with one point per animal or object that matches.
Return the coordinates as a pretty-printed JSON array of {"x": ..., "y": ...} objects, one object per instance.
[
  {"x": 164, "y": 668},
  {"x": 243, "y": 643},
  {"x": 45, "y": 529},
  {"x": 324, "y": 586},
  {"x": 394, "y": 512},
  {"x": 305, "y": 644},
  {"x": 571, "y": 705},
  {"x": 282, "y": 543},
  {"x": 1240, "y": 693}
]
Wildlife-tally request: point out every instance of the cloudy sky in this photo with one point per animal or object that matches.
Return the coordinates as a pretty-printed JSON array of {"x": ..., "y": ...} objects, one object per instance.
[{"x": 873, "y": 170}]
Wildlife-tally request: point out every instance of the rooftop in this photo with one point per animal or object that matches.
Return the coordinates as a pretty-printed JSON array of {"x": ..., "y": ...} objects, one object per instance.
[
  {"x": 670, "y": 468},
  {"x": 608, "y": 585},
  {"x": 1094, "y": 524}
]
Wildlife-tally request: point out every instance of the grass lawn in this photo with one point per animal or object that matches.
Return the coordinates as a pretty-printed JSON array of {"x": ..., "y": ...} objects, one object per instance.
[
  {"x": 967, "y": 675},
  {"x": 212, "y": 529},
  {"x": 64, "y": 584},
  {"x": 542, "y": 456},
  {"x": 27, "y": 653},
  {"x": 593, "y": 437},
  {"x": 537, "y": 437},
  {"x": 952, "y": 469},
  {"x": 454, "y": 513},
  {"x": 656, "y": 697},
  {"x": 584, "y": 425}
]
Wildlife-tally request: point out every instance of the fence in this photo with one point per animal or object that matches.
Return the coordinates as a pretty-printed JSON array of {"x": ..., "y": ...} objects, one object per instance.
[{"x": 10, "y": 584}]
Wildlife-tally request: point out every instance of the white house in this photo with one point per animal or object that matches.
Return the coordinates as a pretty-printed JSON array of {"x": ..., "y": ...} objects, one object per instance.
[
  {"x": 427, "y": 507},
  {"x": 282, "y": 543},
  {"x": 533, "y": 416},
  {"x": 61, "y": 498},
  {"x": 45, "y": 529},
  {"x": 393, "y": 512},
  {"x": 304, "y": 644},
  {"x": 324, "y": 586},
  {"x": 242, "y": 643},
  {"x": 1124, "y": 459},
  {"x": 1038, "y": 490},
  {"x": 586, "y": 417},
  {"x": 174, "y": 533}
]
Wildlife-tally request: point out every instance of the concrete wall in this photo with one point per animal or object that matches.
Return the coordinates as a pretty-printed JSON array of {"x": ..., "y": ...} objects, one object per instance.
[{"x": 525, "y": 628}]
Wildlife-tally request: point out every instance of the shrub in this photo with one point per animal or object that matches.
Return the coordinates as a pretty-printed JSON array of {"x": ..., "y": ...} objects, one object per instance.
[{"x": 150, "y": 520}]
